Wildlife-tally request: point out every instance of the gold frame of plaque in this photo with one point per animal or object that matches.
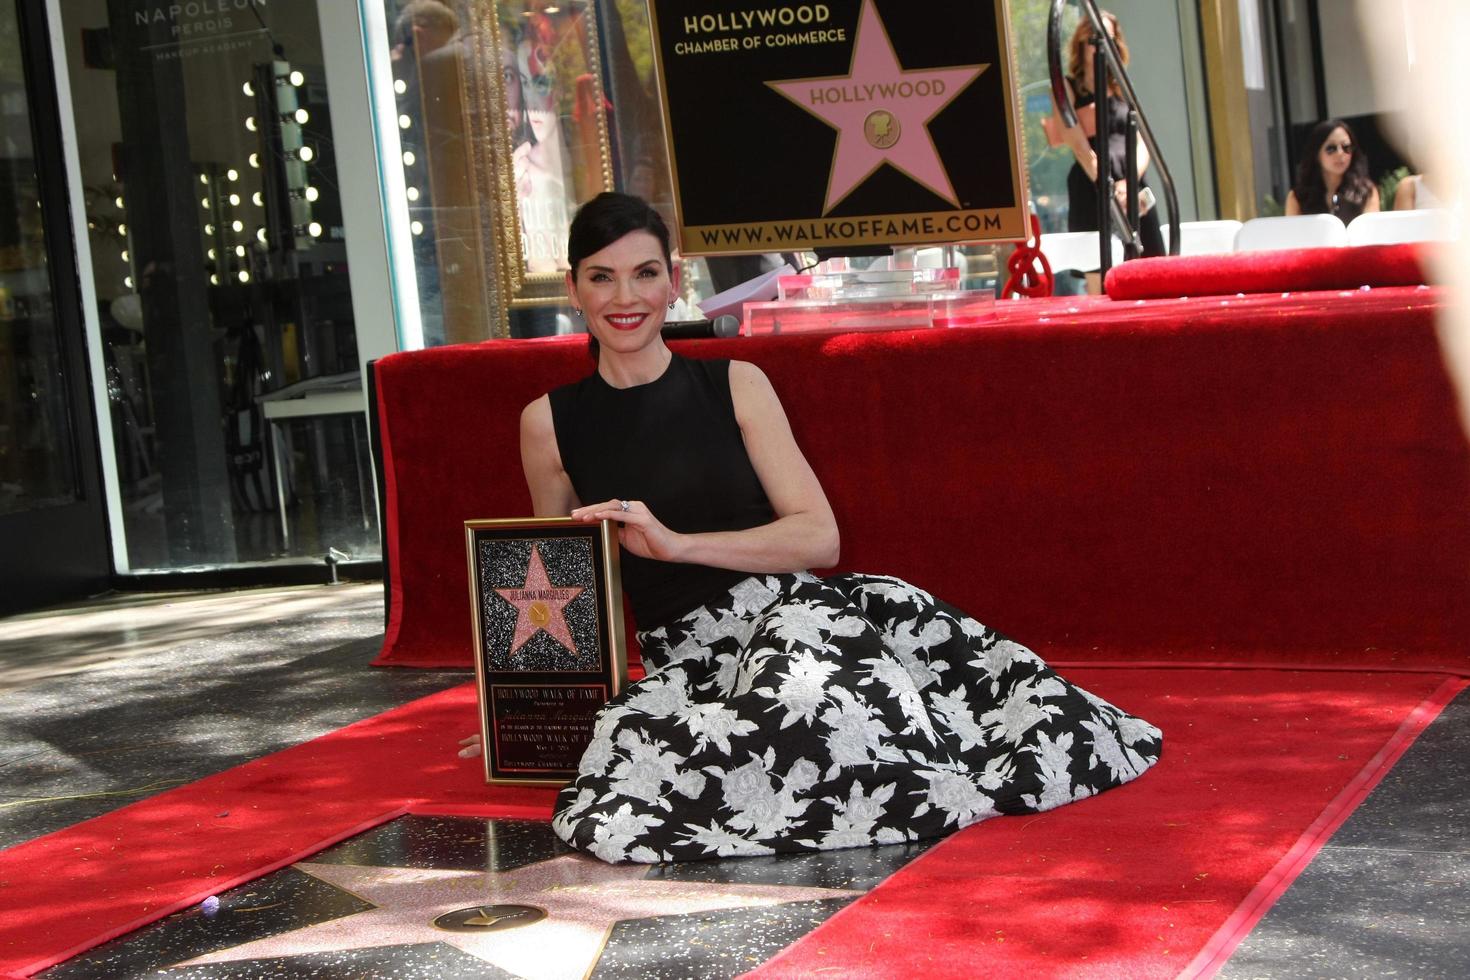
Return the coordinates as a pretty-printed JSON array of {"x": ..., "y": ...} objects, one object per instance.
[
  {"x": 535, "y": 172},
  {"x": 546, "y": 592}
]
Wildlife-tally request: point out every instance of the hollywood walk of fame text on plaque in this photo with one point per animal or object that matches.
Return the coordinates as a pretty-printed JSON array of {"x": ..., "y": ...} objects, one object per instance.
[
  {"x": 549, "y": 645},
  {"x": 800, "y": 126}
]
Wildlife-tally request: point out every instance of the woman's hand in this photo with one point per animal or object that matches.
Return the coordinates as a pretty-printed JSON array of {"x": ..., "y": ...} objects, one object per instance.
[
  {"x": 641, "y": 533},
  {"x": 470, "y": 747},
  {"x": 1120, "y": 191}
]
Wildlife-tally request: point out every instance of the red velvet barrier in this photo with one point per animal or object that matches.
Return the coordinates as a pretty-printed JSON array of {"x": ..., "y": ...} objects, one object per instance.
[
  {"x": 1268, "y": 272},
  {"x": 1220, "y": 479}
]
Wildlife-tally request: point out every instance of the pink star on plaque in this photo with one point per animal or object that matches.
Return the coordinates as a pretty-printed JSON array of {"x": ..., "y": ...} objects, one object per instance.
[
  {"x": 539, "y": 606},
  {"x": 881, "y": 112}
]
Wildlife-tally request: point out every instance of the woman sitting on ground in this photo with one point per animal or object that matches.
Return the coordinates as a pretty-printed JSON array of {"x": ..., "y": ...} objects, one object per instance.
[
  {"x": 781, "y": 711},
  {"x": 1332, "y": 175}
]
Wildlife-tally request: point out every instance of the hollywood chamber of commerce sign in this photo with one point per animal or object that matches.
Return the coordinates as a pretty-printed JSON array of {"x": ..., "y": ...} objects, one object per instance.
[{"x": 842, "y": 123}]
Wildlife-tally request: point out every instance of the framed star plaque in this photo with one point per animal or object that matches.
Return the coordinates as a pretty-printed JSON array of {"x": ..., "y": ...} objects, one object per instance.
[
  {"x": 547, "y": 610},
  {"x": 798, "y": 126}
]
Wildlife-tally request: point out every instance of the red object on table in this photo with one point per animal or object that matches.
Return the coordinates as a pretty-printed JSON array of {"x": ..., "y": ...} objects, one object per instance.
[{"x": 1031, "y": 274}]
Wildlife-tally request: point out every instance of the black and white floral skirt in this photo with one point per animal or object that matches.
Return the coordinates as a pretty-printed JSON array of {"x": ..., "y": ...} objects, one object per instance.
[{"x": 798, "y": 713}]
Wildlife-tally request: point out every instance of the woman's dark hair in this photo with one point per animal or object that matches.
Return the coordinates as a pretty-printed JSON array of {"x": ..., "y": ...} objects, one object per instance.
[
  {"x": 608, "y": 217},
  {"x": 602, "y": 221},
  {"x": 1311, "y": 190}
]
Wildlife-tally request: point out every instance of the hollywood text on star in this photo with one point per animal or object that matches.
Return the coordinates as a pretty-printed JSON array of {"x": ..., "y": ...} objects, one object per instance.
[{"x": 741, "y": 29}]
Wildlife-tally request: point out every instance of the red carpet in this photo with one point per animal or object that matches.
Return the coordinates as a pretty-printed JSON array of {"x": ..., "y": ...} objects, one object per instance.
[
  {"x": 70, "y": 890},
  {"x": 1258, "y": 768},
  {"x": 1135, "y": 882}
]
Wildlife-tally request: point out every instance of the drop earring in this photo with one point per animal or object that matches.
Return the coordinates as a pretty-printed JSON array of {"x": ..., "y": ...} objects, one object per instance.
[{"x": 577, "y": 311}]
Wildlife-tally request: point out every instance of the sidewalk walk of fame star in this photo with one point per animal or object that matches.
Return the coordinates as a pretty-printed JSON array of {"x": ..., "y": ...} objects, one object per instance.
[
  {"x": 582, "y": 897},
  {"x": 539, "y": 606},
  {"x": 875, "y": 125}
]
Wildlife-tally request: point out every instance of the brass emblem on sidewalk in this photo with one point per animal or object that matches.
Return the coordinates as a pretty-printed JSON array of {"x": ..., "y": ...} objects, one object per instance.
[{"x": 489, "y": 918}]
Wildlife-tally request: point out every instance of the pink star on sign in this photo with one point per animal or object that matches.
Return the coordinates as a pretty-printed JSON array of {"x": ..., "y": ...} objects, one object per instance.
[
  {"x": 881, "y": 112},
  {"x": 539, "y": 606}
]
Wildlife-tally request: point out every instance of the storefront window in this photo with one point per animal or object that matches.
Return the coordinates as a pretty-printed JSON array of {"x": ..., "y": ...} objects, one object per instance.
[
  {"x": 206, "y": 157},
  {"x": 37, "y": 467},
  {"x": 1046, "y": 166},
  {"x": 1166, "y": 74},
  {"x": 510, "y": 114}
]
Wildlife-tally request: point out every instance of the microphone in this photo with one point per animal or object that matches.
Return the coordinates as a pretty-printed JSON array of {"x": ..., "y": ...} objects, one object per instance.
[{"x": 725, "y": 325}]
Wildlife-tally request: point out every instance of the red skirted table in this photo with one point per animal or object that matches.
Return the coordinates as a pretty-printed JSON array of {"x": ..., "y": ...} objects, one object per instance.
[{"x": 1266, "y": 477}]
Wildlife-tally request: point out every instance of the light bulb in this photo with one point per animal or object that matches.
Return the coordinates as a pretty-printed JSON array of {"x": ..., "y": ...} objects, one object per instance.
[
  {"x": 404, "y": 122},
  {"x": 306, "y": 154},
  {"x": 257, "y": 199},
  {"x": 408, "y": 158},
  {"x": 244, "y": 276},
  {"x": 204, "y": 203},
  {"x": 400, "y": 86},
  {"x": 233, "y": 174},
  {"x": 213, "y": 279},
  {"x": 204, "y": 178},
  {"x": 312, "y": 194},
  {"x": 302, "y": 116},
  {"x": 413, "y": 193},
  {"x": 250, "y": 123},
  {"x": 125, "y": 255},
  {"x": 210, "y": 253},
  {"x": 122, "y": 229},
  {"x": 248, "y": 89},
  {"x": 260, "y": 234},
  {"x": 118, "y": 201},
  {"x": 240, "y": 251},
  {"x": 209, "y": 229},
  {"x": 314, "y": 229},
  {"x": 234, "y": 200},
  {"x": 255, "y": 160},
  {"x": 128, "y": 281},
  {"x": 417, "y": 227},
  {"x": 237, "y": 225},
  {"x": 297, "y": 78}
]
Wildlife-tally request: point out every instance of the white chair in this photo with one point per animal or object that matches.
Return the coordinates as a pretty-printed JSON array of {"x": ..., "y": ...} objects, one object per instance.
[
  {"x": 1204, "y": 237},
  {"x": 1076, "y": 250},
  {"x": 929, "y": 258},
  {"x": 1294, "y": 231},
  {"x": 1391, "y": 227}
]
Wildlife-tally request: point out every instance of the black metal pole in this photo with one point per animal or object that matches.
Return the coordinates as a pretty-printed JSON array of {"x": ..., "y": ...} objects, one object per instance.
[
  {"x": 1133, "y": 248},
  {"x": 1104, "y": 164}
]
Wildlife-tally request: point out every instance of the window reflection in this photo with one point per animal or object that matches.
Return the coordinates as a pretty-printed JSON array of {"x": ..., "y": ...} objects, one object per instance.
[
  {"x": 512, "y": 113},
  {"x": 37, "y": 467}
]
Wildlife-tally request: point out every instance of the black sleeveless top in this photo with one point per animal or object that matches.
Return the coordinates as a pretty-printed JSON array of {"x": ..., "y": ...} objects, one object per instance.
[
  {"x": 1117, "y": 111},
  {"x": 674, "y": 444}
]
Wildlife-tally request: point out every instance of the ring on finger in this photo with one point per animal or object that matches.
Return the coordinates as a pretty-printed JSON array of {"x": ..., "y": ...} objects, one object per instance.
[{"x": 625, "y": 506}]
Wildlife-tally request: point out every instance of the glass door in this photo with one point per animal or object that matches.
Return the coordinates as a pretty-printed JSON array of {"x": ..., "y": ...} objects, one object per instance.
[
  {"x": 53, "y": 536},
  {"x": 218, "y": 261}
]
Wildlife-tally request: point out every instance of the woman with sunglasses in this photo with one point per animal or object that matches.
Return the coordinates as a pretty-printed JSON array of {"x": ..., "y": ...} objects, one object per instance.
[{"x": 1332, "y": 177}]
